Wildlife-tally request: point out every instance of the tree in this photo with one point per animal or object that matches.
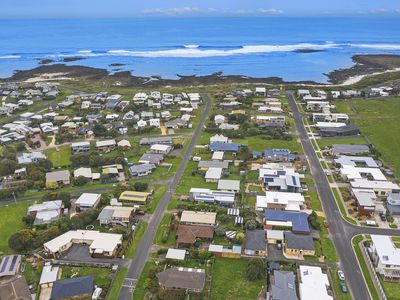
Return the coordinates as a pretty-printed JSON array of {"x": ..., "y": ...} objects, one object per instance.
[
  {"x": 81, "y": 180},
  {"x": 251, "y": 224},
  {"x": 28, "y": 220},
  {"x": 99, "y": 130},
  {"x": 255, "y": 269},
  {"x": 45, "y": 164},
  {"x": 140, "y": 186},
  {"x": 239, "y": 237},
  {"x": 313, "y": 220},
  {"x": 22, "y": 241},
  {"x": 7, "y": 166}
]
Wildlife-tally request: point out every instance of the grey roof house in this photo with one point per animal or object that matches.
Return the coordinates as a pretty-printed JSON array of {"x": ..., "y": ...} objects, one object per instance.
[
  {"x": 283, "y": 286},
  {"x": 80, "y": 287},
  {"x": 255, "y": 243}
]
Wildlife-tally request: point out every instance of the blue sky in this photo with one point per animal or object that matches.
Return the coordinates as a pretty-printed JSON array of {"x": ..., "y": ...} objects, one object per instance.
[{"x": 175, "y": 8}]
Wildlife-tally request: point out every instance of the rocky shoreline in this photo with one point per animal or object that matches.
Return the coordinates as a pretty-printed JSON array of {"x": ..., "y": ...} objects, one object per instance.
[{"x": 364, "y": 65}]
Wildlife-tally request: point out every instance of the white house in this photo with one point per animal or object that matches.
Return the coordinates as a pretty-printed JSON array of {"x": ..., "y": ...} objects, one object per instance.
[
  {"x": 386, "y": 256},
  {"x": 280, "y": 200},
  {"x": 313, "y": 284}
]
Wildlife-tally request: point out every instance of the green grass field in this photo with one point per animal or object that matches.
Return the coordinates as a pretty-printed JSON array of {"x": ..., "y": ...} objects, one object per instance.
[
  {"x": 339, "y": 295},
  {"x": 392, "y": 289},
  {"x": 229, "y": 282},
  {"x": 326, "y": 142},
  {"x": 159, "y": 191},
  {"x": 140, "y": 230},
  {"x": 116, "y": 287},
  {"x": 379, "y": 121},
  {"x": 59, "y": 158},
  {"x": 140, "y": 290},
  {"x": 160, "y": 232},
  {"x": 364, "y": 267},
  {"x": 11, "y": 222}
]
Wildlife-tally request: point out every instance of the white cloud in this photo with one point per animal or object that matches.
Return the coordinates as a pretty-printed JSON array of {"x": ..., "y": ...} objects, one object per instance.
[{"x": 179, "y": 11}]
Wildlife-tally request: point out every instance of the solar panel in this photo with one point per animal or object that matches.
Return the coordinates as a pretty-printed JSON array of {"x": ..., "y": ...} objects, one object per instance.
[
  {"x": 14, "y": 260},
  {"x": 3, "y": 266}
]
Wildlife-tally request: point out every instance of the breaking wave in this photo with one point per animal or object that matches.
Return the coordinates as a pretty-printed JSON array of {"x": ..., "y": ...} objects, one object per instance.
[{"x": 10, "y": 56}]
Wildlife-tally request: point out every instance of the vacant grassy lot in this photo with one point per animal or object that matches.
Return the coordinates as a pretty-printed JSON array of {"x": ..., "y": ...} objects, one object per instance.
[
  {"x": 162, "y": 229},
  {"x": 326, "y": 142},
  {"x": 61, "y": 157},
  {"x": 257, "y": 143},
  {"x": 11, "y": 222},
  {"x": 159, "y": 191},
  {"x": 379, "y": 121},
  {"x": 229, "y": 281},
  {"x": 392, "y": 289},
  {"x": 188, "y": 180}
]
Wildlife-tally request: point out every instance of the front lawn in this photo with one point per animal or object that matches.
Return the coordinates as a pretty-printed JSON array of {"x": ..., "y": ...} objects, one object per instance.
[
  {"x": 116, "y": 287},
  {"x": 229, "y": 281},
  {"x": 139, "y": 232}
]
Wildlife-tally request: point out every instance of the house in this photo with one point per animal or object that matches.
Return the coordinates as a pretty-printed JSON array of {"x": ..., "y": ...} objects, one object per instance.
[
  {"x": 226, "y": 126},
  {"x": 106, "y": 146},
  {"x": 134, "y": 197},
  {"x": 57, "y": 178},
  {"x": 229, "y": 185},
  {"x": 204, "y": 165},
  {"x": 140, "y": 98},
  {"x": 385, "y": 257},
  {"x": 298, "y": 245},
  {"x": 221, "y": 251},
  {"x": 219, "y": 119},
  {"x": 226, "y": 147},
  {"x": 31, "y": 157},
  {"x": 346, "y": 130},
  {"x": 141, "y": 170},
  {"x": 73, "y": 288},
  {"x": 176, "y": 254},
  {"x": 297, "y": 222},
  {"x": 275, "y": 237},
  {"x": 255, "y": 243},
  {"x": 151, "y": 158},
  {"x": 175, "y": 124},
  {"x": 10, "y": 265},
  {"x": 84, "y": 172},
  {"x": 230, "y": 105},
  {"x": 198, "y": 217},
  {"x": 48, "y": 276},
  {"x": 275, "y": 155},
  {"x": 179, "y": 278},
  {"x": 329, "y": 117},
  {"x": 380, "y": 187},
  {"x": 347, "y": 149},
  {"x": 281, "y": 179},
  {"x": 355, "y": 161},
  {"x": 222, "y": 198},
  {"x": 87, "y": 201},
  {"x": 219, "y": 138},
  {"x": 351, "y": 173},
  {"x": 15, "y": 287},
  {"x": 213, "y": 174},
  {"x": 280, "y": 200},
  {"x": 317, "y": 105},
  {"x": 187, "y": 235},
  {"x": 154, "y": 123},
  {"x": 160, "y": 149},
  {"x": 260, "y": 92},
  {"x": 102, "y": 245},
  {"x": 313, "y": 284},
  {"x": 116, "y": 215},
  {"x": 270, "y": 121},
  {"x": 218, "y": 155},
  {"x": 283, "y": 285},
  {"x": 365, "y": 201},
  {"x": 46, "y": 212},
  {"x": 148, "y": 141},
  {"x": 124, "y": 145},
  {"x": 393, "y": 203}
]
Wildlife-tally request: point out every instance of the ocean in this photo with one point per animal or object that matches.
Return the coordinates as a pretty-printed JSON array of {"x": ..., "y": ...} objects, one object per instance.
[{"x": 166, "y": 47}]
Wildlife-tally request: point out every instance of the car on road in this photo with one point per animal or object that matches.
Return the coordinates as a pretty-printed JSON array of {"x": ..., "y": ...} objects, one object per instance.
[
  {"x": 341, "y": 275},
  {"x": 343, "y": 287}
]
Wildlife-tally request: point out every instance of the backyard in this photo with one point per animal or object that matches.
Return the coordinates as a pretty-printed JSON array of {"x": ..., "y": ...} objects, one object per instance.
[{"x": 229, "y": 282}]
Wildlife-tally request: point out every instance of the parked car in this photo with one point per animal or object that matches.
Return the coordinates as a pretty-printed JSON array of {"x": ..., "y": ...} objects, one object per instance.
[
  {"x": 341, "y": 275},
  {"x": 382, "y": 216},
  {"x": 343, "y": 287}
]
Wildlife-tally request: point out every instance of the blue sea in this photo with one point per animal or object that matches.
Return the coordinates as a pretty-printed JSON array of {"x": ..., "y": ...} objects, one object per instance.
[{"x": 250, "y": 46}]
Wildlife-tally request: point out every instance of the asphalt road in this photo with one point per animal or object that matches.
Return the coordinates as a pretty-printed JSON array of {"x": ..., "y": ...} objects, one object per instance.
[
  {"x": 341, "y": 231},
  {"x": 143, "y": 250}
]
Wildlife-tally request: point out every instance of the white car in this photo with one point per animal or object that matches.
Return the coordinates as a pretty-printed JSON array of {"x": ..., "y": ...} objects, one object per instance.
[{"x": 341, "y": 275}]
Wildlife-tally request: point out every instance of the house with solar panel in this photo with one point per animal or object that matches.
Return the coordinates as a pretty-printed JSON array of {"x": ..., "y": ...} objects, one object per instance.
[
  {"x": 295, "y": 221},
  {"x": 134, "y": 197},
  {"x": 281, "y": 179},
  {"x": 10, "y": 265}
]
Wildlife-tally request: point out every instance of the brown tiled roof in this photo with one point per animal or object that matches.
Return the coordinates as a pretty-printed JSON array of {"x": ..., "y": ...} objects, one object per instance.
[
  {"x": 183, "y": 278},
  {"x": 187, "y": 234}
]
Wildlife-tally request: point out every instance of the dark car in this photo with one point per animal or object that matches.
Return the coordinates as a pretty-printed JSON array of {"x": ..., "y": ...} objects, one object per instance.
[
  {"x": 343, "y": 287},
  {"x": 382, "y": 216}
]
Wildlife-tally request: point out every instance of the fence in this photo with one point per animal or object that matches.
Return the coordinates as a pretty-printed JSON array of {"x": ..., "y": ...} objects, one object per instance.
[{"x": 371, "y": 266}]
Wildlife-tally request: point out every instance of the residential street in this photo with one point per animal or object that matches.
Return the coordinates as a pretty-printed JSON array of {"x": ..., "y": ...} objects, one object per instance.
[
  {"x": 143, "y": 250},
  {"x": 340, "y": 230}
]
